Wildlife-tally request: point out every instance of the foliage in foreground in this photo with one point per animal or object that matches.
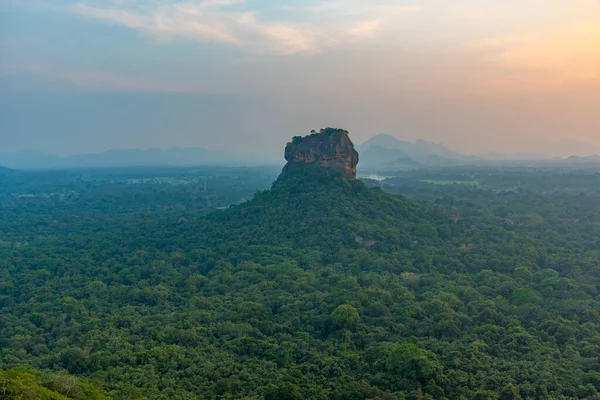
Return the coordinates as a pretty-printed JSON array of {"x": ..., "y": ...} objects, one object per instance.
[{"x": 25, "y": 384}]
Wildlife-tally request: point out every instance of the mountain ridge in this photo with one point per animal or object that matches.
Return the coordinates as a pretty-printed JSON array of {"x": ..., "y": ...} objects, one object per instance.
[
  {"x": 134, "y": 157},
  {"x": 5, "y": 170},
  {"x": 380, "y": 151},
  {"x": 414, "y": 150}
]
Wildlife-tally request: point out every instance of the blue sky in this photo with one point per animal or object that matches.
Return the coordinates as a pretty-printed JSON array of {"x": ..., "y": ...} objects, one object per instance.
[{"x": 478, "y": 75}]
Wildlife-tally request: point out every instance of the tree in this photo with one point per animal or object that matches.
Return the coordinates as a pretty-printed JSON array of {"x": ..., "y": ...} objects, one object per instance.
[
  {"x": 345, "y": 316},
  {"x": 283, "y": 391},
  {"x": 524, "y": 296},
  {"x": 411, "y": 362}
]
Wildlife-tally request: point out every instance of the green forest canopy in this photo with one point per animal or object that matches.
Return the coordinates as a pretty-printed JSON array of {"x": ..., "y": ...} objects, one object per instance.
[{"x": 319, "y": 288}]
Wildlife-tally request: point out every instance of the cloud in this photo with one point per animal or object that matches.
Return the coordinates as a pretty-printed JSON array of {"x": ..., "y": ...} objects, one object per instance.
[
  {"x": 230, "y": 22},
  {"x": 89, "y": 80},
  {"x": 117, "y": 16},
  {"x": 211, "y": 21},
  {"x": 363, "y": 8},
  {"x": 366, "y": 28},
  {"x": 544, "y": 60}
]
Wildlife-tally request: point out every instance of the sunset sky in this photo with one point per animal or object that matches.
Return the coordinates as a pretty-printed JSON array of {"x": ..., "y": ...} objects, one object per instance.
[{"x": 476, "y": 75}]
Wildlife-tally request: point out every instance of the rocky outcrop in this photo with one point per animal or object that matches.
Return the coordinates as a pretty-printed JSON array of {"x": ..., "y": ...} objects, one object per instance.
[{"x": 329, "y": 148}]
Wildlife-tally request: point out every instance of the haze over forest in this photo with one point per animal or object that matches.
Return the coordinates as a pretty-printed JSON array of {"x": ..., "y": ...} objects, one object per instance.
[{"x": 87, "y": 76}]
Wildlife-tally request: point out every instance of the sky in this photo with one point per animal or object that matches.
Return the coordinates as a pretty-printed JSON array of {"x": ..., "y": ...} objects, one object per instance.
[{"x": 519, "y": 76}]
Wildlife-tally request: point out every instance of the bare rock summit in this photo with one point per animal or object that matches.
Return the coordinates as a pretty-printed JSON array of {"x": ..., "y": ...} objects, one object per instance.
[{"x": 328, "y": 148}]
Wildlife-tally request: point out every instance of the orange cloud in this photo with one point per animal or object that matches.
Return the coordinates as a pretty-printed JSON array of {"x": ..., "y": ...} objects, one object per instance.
[{"x": 545, "y": 60}]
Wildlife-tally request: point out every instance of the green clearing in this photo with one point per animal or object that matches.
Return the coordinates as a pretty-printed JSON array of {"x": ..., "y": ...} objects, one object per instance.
[
  {"x": 163, "y": 180},
  {"x": 449, "y": 182}
]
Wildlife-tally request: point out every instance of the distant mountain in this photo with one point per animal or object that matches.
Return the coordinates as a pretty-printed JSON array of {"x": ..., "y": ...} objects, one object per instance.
[
  {"x": 566, "y": 147},
  {"x": 405, "y": 163},
  {"x": 28, "y": 159},
  {"x": 544, "y": 150},
  {"x": 524, "y": 159},
  {"x": 436, "y": 149},
  {"x": 386, "y": 141},
  {"x": 497, "y": 156},
  {"x": 583, "y": 160},
  {"x": 382, "y": 164},
  {"x": 377, "y": 155},
  {"x": 384, "y": 150},
  {"x": 133, "y": 157},
  {"x": 415, "y": 150},
  {"x": 4, "y": 171}
]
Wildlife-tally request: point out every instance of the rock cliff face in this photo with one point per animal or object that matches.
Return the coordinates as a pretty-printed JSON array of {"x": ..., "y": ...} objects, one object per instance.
[{"x": 330, "y": 148}]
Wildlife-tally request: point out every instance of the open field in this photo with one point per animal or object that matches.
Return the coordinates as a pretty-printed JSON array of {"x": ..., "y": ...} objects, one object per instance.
[{"x": 449, "y": 182}]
